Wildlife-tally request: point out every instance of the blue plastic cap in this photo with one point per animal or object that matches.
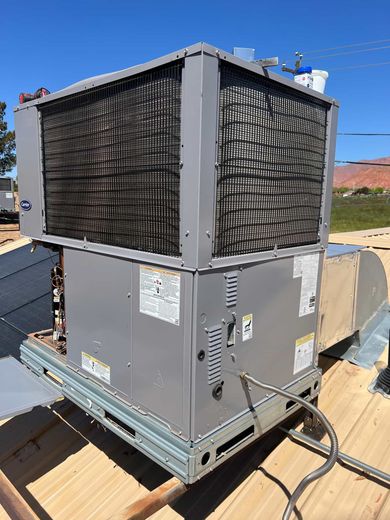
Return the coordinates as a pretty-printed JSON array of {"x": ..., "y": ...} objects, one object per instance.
[{"x": 304, "y": 70}]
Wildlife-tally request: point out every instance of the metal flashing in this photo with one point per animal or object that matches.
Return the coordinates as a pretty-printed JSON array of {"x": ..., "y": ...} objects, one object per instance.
[{"x": 20, "y": 390}]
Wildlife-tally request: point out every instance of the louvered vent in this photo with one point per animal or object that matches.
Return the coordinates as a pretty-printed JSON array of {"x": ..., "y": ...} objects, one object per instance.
[
  {"x": 231, "y": 288},
  {"x": 214, "y": 354}
]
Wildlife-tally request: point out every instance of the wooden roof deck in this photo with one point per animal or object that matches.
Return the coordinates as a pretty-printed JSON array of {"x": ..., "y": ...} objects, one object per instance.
[{"x": 67, "y": 468}]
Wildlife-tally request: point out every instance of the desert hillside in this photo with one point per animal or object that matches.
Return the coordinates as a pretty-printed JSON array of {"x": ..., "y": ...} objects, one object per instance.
[{"x": 359, "y": 175}]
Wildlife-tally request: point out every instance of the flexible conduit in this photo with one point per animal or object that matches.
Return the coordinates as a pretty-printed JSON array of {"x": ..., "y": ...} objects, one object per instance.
[{"x": 334, "y": 444}]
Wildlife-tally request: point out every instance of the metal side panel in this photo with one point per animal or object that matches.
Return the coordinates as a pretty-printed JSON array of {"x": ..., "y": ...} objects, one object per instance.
[
  {"x": 28, "y": 147},
  {"x": 21, "y": 390}
]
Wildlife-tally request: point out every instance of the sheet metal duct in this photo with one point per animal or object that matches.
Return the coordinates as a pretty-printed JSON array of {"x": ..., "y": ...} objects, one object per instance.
[{"x": 354, "y": 295}]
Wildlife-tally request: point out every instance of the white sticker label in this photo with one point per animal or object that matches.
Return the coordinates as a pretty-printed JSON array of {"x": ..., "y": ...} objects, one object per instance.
[
  {"x": 160, "y": 294},
  {"x": 304, "y": 348},
  {"x": 247, "y": 327},
  {"x": 9, "y": 196},
  {"x": 306, "y": 267},
  {"x": 96, "y": 367}
]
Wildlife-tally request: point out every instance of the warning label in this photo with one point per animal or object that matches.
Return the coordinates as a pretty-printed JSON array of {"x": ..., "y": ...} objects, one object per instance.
[
  {"x": 247, "y": 327},
  {"x": 96, "y": 367},
  {"x": 160, "y": 294},
  {"x": 304, "y": 349},
  {"x": 306, "y": 266}
]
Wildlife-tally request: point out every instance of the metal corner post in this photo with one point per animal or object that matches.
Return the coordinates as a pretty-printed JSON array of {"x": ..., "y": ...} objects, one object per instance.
[
  {"x": 199, "y": 131},
  {"x": 328, "y": 173}
]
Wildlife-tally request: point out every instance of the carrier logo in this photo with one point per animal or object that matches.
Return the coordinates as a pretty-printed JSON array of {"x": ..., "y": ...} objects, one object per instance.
[{"x": 25, "y": 205}]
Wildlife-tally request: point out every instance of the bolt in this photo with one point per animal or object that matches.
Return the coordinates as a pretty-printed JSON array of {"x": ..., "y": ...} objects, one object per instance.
[
  {"x": 223, "y": 321},
  {"x": 129, "y": 364},
  {"x": 129, "y": 295},
  {"x": 210, "y": 264},
  {"x": 187, "y": 233},
  {"x": 208, "y": 233}
]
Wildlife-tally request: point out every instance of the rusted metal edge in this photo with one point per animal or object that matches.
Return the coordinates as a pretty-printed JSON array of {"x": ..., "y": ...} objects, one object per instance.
[
  {"x": 153, "y": 502},
  {"x": 13, "y": 502}
]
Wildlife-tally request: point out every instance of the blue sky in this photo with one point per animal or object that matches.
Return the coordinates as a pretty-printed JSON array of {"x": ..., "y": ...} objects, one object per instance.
[{"x": 54, "y": 44}]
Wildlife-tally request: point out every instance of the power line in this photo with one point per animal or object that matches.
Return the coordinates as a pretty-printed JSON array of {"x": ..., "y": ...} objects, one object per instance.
[
  {"x": 364, "y": 163},
  {"x": 348, "y": 53},
  {"x": 360, "y": 66},
  {"x": 358, "y": 133},
  {"x": 346, "y": 46}
]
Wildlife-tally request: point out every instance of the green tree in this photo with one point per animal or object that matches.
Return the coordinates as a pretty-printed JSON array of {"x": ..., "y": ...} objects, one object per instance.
[{"x": 7, "y": 144}]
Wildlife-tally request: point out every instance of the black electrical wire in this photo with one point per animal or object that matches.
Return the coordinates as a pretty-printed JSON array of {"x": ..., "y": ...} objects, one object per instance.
[
  {"x": 364, "y": 163},
  {"x": 334, "y": 444},
  {"x": 359, "y": 133}
]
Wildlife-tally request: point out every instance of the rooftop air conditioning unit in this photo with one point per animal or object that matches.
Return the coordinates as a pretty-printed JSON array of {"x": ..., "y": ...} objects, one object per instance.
[
  {"x": 189, "y": 198},
  {"x": 7, "y": 201}
]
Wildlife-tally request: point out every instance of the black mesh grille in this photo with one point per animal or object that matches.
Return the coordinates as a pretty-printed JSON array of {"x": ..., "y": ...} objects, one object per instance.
[
  {"x": 112, "y": 163},
  {"x": 5, "y": 184},
  {"x": 271, "y": 164}
]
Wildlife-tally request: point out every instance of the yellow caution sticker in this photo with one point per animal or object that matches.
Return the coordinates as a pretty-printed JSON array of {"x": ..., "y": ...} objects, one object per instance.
[
  {"x": 96, "y": 367},
  {"x": 304, "y": 352},
  {"x": 247, "y": 327}
]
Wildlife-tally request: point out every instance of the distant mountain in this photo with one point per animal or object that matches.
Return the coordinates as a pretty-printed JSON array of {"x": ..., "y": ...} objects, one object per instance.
[{"x": 359, "y": 175}]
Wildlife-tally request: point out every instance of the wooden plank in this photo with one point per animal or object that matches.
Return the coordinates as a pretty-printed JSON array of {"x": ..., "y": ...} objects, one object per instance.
[
  {"x": 379, "y": 238},
  {"x": 6, "y": 248},
  {"x": 357, "y": 496},
  {"x": 153, "y": 502},
  {"x": 13, "y": 502}
]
